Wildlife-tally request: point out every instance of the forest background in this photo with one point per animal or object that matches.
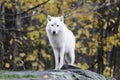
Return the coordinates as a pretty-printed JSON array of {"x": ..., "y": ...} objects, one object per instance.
[{"x": 95, "y": 23}]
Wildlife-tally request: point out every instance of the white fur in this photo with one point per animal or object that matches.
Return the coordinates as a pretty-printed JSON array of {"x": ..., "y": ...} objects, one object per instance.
[{"x": 62, "y": 41}]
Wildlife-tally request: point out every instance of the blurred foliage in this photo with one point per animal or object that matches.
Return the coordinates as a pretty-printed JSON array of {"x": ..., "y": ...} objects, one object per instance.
[{"x": 23, "y": 40}]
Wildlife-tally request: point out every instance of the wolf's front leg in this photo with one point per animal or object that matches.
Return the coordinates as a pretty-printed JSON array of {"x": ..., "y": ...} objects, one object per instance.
[
  {"x": 62, "y": 52},
  {"x": 56, "y": 55}
]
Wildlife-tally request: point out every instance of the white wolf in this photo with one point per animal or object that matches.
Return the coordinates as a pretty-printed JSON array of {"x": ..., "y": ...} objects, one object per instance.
[{"x": 62, "y": 41}]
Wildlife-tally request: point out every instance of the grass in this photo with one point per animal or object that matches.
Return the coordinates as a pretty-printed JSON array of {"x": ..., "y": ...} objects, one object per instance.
[{"x": 11, "y": 76}]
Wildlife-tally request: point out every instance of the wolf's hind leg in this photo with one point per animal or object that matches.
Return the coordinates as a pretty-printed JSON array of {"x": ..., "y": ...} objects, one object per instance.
[
  {"x": 72, "y": 57},
  {"x": 67, "y": 58}
]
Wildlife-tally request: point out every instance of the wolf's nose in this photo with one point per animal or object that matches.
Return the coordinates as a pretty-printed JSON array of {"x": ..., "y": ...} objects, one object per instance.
[{"x": 54, "y": 32}]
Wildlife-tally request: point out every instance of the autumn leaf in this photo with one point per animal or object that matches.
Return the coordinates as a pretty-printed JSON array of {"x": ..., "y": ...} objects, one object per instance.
[
  {"x": 34, "y": 64},
  {"x": 9, "y": 5},
  {"x": 105, "y": 25},
  {"x": 22, "y": 54},
  {"x": 31, "y": 57},
  {"x": 107, "y": 71},
  {"x": 7, "y": 65},
  {"x": 84, "y": 66},
  {"x": 33, "y": 35}
]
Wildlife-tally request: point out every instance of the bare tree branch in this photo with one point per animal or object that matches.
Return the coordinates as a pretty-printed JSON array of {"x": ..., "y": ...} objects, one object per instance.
[
  {"x": 28, "y": 9},
  {"x": 17, "y": 30},
  {"x": 33, "y": 8}
]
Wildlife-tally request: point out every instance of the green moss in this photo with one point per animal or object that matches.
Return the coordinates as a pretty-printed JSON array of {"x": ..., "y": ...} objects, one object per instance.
[{"x": 10, "y": 76}]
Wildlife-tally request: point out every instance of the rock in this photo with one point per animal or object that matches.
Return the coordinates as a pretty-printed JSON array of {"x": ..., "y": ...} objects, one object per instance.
[{"x": 67, "y": 73}]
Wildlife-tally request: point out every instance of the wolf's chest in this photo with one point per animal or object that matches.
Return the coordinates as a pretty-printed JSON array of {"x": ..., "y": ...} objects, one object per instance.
[{"x": 57, "y": 41}]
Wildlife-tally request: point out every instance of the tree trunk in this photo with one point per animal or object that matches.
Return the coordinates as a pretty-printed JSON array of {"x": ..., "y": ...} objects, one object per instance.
[
  {"x": 117, "y": 63},
  {"x": 2, "y": 34}
]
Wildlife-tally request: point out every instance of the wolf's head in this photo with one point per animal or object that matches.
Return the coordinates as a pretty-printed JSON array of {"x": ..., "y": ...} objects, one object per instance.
[{"x": 55, "y": 24}]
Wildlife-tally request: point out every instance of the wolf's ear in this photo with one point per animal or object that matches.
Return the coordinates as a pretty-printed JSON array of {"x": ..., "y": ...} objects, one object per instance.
[
  {"x": 62, "y": 19},
  {"x": 49, "y": 18}
]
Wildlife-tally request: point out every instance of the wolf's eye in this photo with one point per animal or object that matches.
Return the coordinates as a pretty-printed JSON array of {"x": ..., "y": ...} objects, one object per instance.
[
  {"x": 51, "y": 24},
  {"x": 57, "y": 25}
]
